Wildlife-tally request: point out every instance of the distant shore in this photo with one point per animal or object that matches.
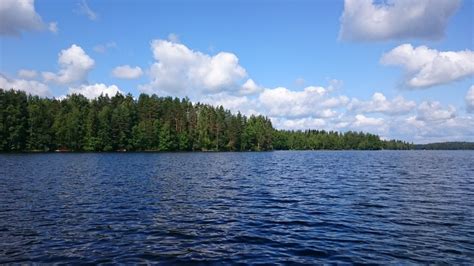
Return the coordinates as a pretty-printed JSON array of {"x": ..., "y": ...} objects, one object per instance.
[
  {"x": 452, "y": 145},
  {"x": 441, "y": 146}
]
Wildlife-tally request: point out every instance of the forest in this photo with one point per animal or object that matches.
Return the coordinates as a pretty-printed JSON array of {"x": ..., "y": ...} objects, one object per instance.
[
  {"x": 151, "y": 123},
  {"x": 446, "y": 146}
]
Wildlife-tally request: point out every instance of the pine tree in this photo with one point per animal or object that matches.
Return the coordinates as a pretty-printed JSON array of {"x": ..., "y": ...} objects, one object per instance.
[{"x": 166, "y": 143}]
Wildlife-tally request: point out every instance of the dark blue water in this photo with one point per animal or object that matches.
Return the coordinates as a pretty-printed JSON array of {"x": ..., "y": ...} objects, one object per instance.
[{"x": 300, "y": 207}]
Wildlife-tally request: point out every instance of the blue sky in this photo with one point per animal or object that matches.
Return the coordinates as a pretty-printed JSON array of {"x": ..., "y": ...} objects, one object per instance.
[{"x": 402, "y": 69}]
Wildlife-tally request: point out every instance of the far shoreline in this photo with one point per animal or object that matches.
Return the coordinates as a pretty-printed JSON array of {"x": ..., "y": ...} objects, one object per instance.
[{"x": 250, "y": 151}]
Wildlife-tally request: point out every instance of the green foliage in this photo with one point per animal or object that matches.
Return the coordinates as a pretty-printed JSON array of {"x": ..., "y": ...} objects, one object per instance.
[
  {"x": 40, "y": 121},
  {"x": 257, "y": 134},
  {"x": 165, "y": 136},
  {"x": 14, "y": 120},
  {"x": 332, "y": 140},
  {"x": 139, "y": 140},
  {"x": 152, "y": 123}
]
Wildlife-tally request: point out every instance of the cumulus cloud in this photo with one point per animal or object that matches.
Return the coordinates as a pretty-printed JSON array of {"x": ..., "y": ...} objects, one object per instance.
[
  {"x": 181, "y": 71},
  {"x": 250, "y": 87},
  {"x": 20, "y": 15},
  {"x": 27, "y": 73},
  {"x": 434, "y": 112},
  {"x": 367, "y": 20},
  {"x": 234, "y": 103},
  {"x": 363, "y": 121},
  {"x": 312, "y": 101},
  {"x": 380, "y": 104},
  {"x": 299, "y": 123},
  {"x": 425, "y": 122},
  {"x": 322, "y": 108},
  {"x": 30, "y": 86},
  {"x": 454, "y": 129},
  {"x": 373, "y": 124},
  {"x": 95, "y": 90},
  {"x": 470, "y": 99},
  {"x": 220, "y": 80},
  {"x": 342, "y": 122},
  {"x": 427, "y": 67},
  {"x": 74, "y": 65},
  {"x": 127, "y": 72}
]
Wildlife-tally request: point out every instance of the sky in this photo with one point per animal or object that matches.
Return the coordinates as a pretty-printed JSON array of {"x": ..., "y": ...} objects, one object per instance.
[{"x": 398, "y": 68}]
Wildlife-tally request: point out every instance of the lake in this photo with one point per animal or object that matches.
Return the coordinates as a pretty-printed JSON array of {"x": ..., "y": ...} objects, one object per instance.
[{"x": 269, "y": 207}]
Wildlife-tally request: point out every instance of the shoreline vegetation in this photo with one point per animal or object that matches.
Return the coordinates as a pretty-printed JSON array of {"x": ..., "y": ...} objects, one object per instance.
[
  {"x": 450, "y": 145},
  {"x": 152, "y": 124}
]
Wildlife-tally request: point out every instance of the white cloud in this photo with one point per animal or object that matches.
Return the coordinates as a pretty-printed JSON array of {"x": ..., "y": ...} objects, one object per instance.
[
  {"x": 342, "y": 122},
  {"x": 19, "y": 15},
  {"x": 250, "y": 87},
  {"x": 360, "y": 122},
  {"x": 429, "y": 67},
  {"x": 393, "y": 118},
  {"x": 470, "y": 99},
  {"x": 453, "y": 129},
  {"x": 299, "y": 123},
  {"x": 429, "y": 122},
  {"x": 380, "y": 104},
  {"x": 335, "y": 102},
  {"x": 220, "y": 80},
  {"x": 363, "y": 121},
  {"x": 74, "y": 64},
  {"x": 84, "y": 9},
  {"x": 27, "y": 73},
  {"x": 102, "y": 48},
  {"x": 233, "y": 103},
  {"x": 30, "y": 86},
  {"x": 184, "y": 72},
  {"x": 95, "y": 90},
  {"x": 127, "y": 72},
  {"x": 365, "y": 20},
  {"x": 53, "y": 27},
  {"x": 434, "y": 112},
  {"x": 281, "y": 102}
]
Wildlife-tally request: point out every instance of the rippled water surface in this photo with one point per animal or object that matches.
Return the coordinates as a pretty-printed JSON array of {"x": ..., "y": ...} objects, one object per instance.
[{"x": 301, "y": 207}]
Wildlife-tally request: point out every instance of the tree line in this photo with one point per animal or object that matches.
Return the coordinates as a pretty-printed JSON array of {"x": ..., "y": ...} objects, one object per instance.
[
  {"x": 455, "y": 145},
  {"x": 333, "y": 140},
  {"x": 152, "y": 123}
]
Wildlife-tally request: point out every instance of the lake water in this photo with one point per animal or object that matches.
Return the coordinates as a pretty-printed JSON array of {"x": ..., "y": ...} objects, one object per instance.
[{"x": 269, "y": 207}]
